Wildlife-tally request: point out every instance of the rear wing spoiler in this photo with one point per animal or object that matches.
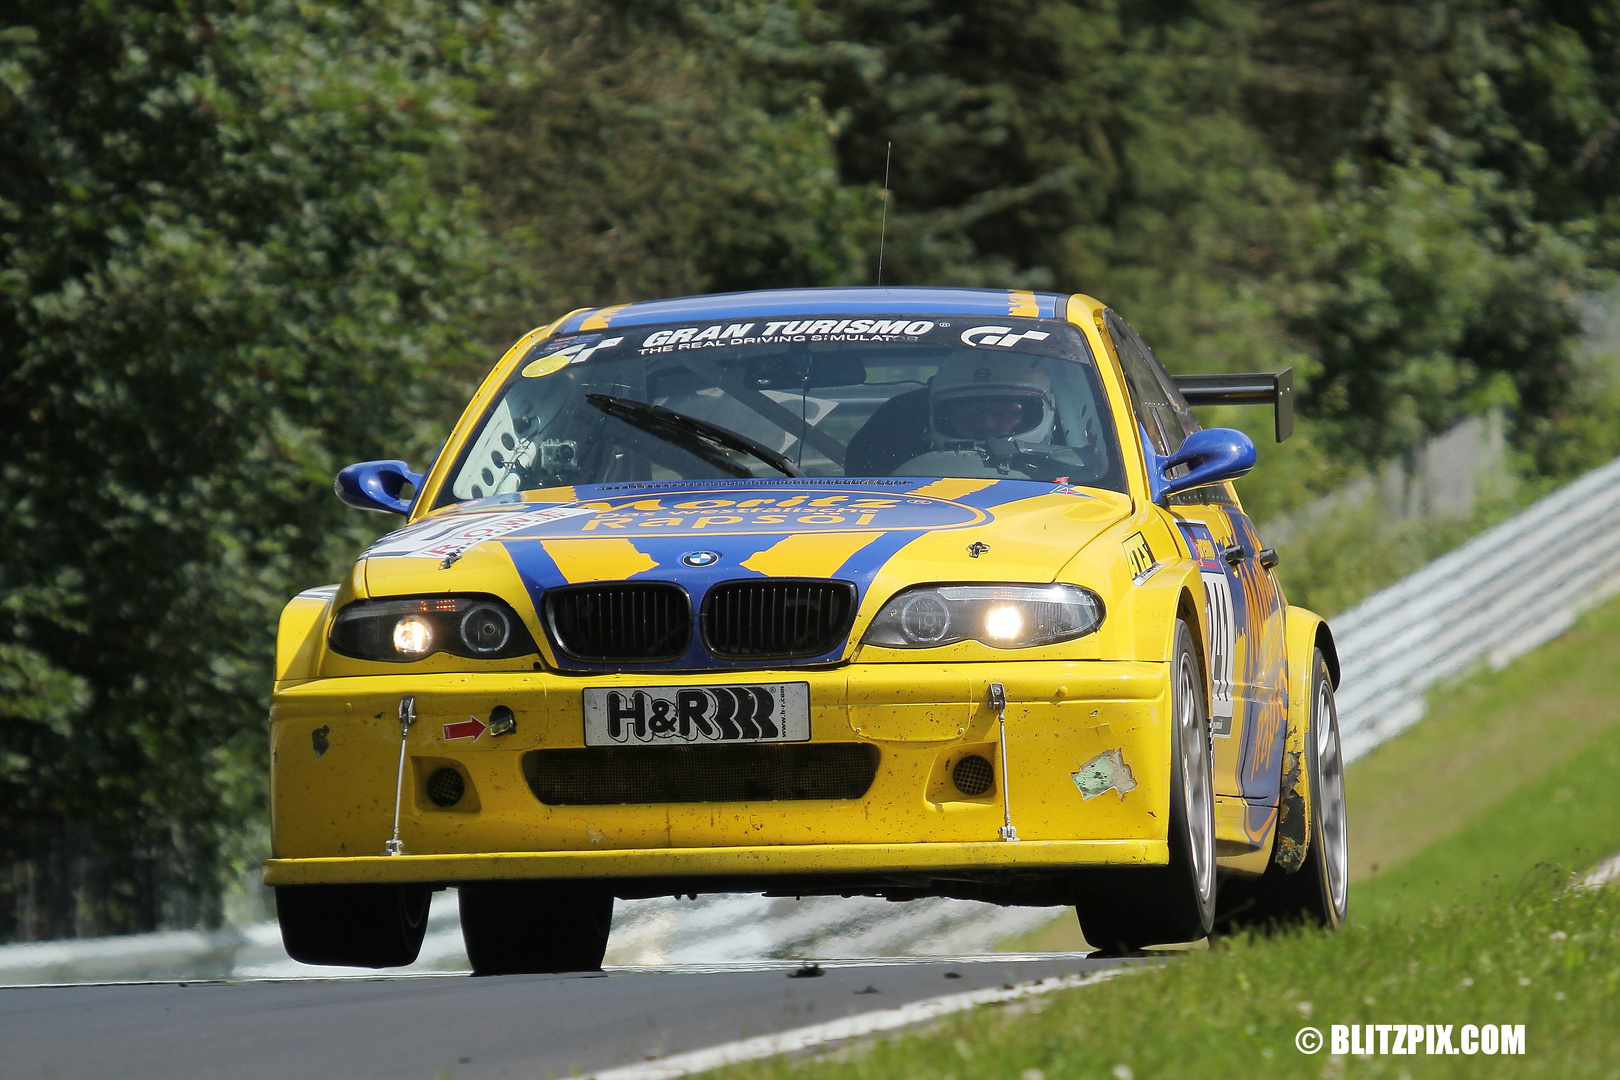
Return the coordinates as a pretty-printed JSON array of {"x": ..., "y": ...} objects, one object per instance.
[{"x": 1261, "y": 388}]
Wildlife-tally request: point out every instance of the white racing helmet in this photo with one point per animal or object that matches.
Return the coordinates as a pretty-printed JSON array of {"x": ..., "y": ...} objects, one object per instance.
[{"x": 983, "y": 396}]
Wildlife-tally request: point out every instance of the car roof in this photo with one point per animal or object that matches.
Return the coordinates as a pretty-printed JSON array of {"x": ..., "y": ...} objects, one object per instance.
[{"x": 834, "y": 301}]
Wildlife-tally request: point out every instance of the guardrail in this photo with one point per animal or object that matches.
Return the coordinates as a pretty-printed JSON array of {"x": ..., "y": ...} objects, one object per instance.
[
  {"x": 1498, "y": 596},
  {"x": 658, "y": 932},
  {"x": 1505, "y": 592}
]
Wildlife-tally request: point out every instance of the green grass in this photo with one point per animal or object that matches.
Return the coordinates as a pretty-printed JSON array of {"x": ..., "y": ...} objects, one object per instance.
[
  {"x": 1508, "y": 769},
  {"x": 1570, "y": 816},
  {"x": 1534, "y": 953}
]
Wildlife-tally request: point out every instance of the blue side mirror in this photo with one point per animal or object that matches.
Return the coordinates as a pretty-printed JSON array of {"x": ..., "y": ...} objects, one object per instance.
[
  {"x": 375, "y": 485},
  {"x": 1214, "y": 454}
]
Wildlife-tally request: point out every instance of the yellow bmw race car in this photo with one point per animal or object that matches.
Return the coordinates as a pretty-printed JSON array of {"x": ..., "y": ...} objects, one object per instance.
[{"x": 899, "y": 592}]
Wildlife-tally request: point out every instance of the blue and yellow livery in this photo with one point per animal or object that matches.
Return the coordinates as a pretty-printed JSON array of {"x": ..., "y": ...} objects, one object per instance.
[{"x": 906, "y": 592}]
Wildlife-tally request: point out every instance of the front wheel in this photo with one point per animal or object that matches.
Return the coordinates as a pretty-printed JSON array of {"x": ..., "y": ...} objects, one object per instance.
[
  {"x": 1314, "y": 893},
  {"x": 370, "y": 926},
  {"x": 534, "y": 927},
  {"x": 1122, "y": 910}
]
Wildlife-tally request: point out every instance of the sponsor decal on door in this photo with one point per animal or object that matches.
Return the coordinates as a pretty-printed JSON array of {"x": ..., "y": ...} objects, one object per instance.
[{"x": 1222, "y": 619}]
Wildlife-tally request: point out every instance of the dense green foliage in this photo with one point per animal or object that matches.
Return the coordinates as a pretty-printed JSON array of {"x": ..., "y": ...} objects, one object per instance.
[
  {"x": 228, "y": 269},
  {"x": 636, "y": 154},
  {"x": 245, "y": 241},
  {"x": 1401, "y": 201}
]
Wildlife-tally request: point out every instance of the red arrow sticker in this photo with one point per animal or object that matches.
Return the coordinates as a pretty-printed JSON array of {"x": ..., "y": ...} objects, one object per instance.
[{"x": 470, "y": 728}]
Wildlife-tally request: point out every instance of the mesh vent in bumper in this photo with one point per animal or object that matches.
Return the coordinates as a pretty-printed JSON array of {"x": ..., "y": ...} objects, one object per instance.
[{"x": 757, "y": 772}]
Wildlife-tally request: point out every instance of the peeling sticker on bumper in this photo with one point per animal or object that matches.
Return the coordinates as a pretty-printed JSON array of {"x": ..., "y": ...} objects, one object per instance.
[{"x": 1106, "y": 770}]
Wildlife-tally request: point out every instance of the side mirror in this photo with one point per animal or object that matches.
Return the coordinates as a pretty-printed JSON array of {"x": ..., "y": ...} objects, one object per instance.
[
  {"x": 375, "y": 485},
  {"x": 1215, "y": 456}
]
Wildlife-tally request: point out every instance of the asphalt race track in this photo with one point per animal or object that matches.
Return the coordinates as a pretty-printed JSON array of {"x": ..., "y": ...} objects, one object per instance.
[{"x": 407, "y": 1027}]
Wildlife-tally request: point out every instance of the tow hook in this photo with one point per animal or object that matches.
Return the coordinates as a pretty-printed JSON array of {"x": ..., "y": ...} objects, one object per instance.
[
  {"x": 407, "y": 717},
  {"x": 998, "y": 702}
]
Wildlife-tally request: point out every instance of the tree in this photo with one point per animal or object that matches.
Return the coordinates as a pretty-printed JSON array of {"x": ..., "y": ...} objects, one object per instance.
[
  {"x": 232, "y": 258},
  {"x": 637, "y": 151},
  {"x": 1402, "y": 203}
]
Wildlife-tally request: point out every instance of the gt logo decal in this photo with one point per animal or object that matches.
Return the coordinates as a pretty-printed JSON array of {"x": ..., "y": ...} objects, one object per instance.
[
  {"x": 573, "y": 351},
  {"x": 1003, "y": 336}
]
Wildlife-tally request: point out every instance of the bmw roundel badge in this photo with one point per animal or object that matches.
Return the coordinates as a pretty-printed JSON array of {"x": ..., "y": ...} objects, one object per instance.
[{"x": 700, "y": 558}]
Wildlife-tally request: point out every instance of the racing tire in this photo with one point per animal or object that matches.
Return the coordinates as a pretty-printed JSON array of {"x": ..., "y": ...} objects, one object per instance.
[
  {"x": 1123, "y": 910},
  {"x": 534, "y": 927},
  {"x": 369, "y": 926},
  {"x": 1314, "y": 894}
]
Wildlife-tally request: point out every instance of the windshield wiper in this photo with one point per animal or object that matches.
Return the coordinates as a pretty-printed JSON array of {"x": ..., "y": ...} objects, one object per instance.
[{"x": 695, "y": 436}]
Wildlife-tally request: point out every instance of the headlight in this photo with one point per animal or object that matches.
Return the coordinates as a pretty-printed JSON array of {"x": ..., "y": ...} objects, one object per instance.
[
  {"x": 413, "y": 636},
  {"x": 485, "y": 629},
  {"x": 406, "y": 629},
  {"x": 1004, "y": 616}
]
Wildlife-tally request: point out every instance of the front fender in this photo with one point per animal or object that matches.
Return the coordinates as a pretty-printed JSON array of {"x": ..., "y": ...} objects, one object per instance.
[
  {"x": 1176, "y": 589},
  {"x": 298, "y": 635}
]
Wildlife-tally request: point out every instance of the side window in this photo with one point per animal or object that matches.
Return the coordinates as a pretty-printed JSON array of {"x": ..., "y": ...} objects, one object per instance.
[
  {"x": 1157, "y": 404},
  {"x": 1172, "y": 393}
]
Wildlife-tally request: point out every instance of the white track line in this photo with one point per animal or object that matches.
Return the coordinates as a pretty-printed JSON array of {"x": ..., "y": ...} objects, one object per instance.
[
  {"x": 1606, "y": 872},
  {"x": 806, "y": 1038}
]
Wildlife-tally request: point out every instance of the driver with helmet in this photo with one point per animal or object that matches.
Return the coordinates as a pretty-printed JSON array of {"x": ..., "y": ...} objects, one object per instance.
[
  {"x": 988, "y": 414},
  {"x": 980, "y": 397}
]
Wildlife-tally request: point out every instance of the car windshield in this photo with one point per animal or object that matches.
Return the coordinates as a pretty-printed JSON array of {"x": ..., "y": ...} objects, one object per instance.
[{"x": 831, "y": 396}]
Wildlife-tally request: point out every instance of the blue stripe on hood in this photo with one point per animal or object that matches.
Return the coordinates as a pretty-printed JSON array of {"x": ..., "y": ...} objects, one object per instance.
[{"x": 626, "y": 510}]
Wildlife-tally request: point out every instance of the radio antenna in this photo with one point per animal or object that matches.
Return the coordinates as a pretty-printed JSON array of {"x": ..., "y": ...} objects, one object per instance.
[{"x": 883, "y": 229}]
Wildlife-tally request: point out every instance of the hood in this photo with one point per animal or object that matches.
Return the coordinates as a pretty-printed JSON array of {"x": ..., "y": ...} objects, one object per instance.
[{"x": 878, "y": 534}]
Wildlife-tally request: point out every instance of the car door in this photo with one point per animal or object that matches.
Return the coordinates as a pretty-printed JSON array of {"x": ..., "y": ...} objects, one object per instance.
[{"x": 1248, "y": 663}]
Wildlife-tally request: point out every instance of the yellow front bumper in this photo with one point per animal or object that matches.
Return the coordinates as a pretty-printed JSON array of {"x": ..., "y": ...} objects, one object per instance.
[{"x": 335, "y": 752}]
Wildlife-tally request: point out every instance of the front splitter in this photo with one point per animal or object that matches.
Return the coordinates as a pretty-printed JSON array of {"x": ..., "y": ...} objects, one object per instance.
[{"x": 796, "y": 859}]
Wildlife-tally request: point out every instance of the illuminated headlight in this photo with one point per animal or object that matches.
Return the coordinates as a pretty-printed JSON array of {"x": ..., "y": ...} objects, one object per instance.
[
  {"x": 1005, "y": 616},
  {"x": 405, "y": 629},
  {"x": 413, "y": 636}
]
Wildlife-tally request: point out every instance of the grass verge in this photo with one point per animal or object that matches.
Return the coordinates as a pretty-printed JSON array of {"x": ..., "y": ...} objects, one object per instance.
[
  {"x": 1507, "y": 769},
  {"x": 1570, "y": 816},
  {"x": 1534, "y": 953}
]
